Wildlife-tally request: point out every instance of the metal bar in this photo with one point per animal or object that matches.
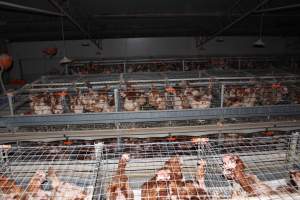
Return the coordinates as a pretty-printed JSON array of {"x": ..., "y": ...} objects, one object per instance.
[
  {"x": 124, "y": 67},
  {"x": 234, "y": 22},
  {"x": 151, "y": 116},
  {"x": 280, "y": 8},
  {"x": 222, "y": 95},
  {"x": 293, "y": 148},
  {"x": 30, "y": 9},
  {"x": 73, "y": 21},
  {"x": 67, "y": 69},
  {"x": 10, "y": 103},
  {"x": 242, "y": 128},
  {"x": 116, "y": 97}
]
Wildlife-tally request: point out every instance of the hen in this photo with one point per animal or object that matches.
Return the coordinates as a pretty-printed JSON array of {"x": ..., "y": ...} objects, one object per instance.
[
  {"x": 185, "y": 190},
  {"x": 34, "y": 189},
  {"x": 119, "y": 188},
  {"x": 65, "y": 191},
  {"x": 234, "y": 168},
  {"x": 157, "y": 188},
  {"x": 293, "y": 184},
  {"x": 10, "y": 189},
  {"x": 295, "y": 179},
  {"x": 168, "y": 183}
]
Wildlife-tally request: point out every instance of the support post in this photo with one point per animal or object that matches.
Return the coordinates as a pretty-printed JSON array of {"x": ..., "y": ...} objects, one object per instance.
[
  {"x": 183, "y": 67},
  {"x": 116, "y": 98},
  {"x": 117, "y": 124},
  {"x": 221, "y": 138},
  {"x": 10, "y": 103},
  {"x": 124, "y": 67},
  {"x": 98, "y": 150},
  {"x": 66, "y": 69},
  {"x": 292, "y": 153},
  {"x": 98, "y": 180},
  {"x": 222, "y": 95}
]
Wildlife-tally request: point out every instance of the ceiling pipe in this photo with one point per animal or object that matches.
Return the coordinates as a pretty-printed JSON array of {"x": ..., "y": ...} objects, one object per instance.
[
  {"x": 280, "y": 8},
  {"x": 222, "y": 30},
  {"x": 73, "y": 21},
  {"x": 29, "y": 9}
]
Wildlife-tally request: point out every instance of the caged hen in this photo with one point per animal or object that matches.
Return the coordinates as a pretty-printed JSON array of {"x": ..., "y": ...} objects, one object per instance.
[
  {"x": 169, "y": 184},
  {"x": 157, "y": 188},
  {"x": 9, "y": 189},
  {"x": 119, "y": 188},
  {"x": 33, "y": 191},
  {"x": 234, "y": 168},
  {"x": 65, "y": 191},
  {"x": 188, "y": 189}
]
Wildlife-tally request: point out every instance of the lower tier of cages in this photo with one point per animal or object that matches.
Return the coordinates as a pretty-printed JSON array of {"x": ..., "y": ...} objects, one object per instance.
[{"x": 200, "y": 168}]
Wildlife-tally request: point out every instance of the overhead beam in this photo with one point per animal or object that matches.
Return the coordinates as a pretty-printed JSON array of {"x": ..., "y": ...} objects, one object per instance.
[
  {"x": 74, "y": 22},
  {"x": 28, "y": 9},
  {"x": 228, "y": 26},
  {"x": 280, "y": 8}
]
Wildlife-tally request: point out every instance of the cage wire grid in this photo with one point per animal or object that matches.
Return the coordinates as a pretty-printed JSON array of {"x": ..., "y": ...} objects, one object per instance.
[
  {"x": 269, "y": 159},
  {"x": 92, "y": 168},
  {"x": 73, "y": 172}
]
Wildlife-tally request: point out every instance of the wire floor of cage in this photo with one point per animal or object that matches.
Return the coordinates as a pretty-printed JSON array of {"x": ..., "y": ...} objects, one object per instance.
[{"x": 169, "y": 171}]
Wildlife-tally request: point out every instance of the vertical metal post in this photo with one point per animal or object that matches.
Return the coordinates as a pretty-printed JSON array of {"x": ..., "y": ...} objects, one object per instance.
[
  {"x": 291, "y": 156},
  {"x": 67, "y": 69},
  {"x": 239, "y": 64},
  {"x": 199, "y": 151},
  {"x": 183, "y": 63},
  {"x": 221, "y": 140},
  {"x": 124, "y": 67},
  {"x": 117, "y": 124},
  {"x": 222, "y": 95},
  {"x": 98, "y": 179},
  {"x": 10, "y": 103},
  {"x": 98, "y": 150},
  {"x": 116, "y": 98}
]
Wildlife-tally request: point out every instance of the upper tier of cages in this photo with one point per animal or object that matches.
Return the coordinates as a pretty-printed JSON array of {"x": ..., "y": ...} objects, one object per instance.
[
  {"x": 81, "y": 66},
  {"x": 120, "y": 97}
]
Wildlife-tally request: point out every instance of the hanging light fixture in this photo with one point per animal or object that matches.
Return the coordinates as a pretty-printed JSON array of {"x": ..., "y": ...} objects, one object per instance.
[
  {"x": 65, "y": 59},
  {"x": 260, "y": 43}
]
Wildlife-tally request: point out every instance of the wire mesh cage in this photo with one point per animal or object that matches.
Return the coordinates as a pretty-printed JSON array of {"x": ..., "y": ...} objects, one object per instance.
[
  {"x": 174, "y": 64},
  {"x": 170, "y": 95},
  {"x": 260, "y": 93},
  {"x": 48, "y": 172},
  {"x": 201, "y": 169}
]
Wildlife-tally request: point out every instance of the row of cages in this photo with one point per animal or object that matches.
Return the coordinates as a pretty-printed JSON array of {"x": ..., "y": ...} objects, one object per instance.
[
  {"x": 186, "y": 64},
  {"x": 141, "y": 96},
  {"x": 194, "y": 168}
]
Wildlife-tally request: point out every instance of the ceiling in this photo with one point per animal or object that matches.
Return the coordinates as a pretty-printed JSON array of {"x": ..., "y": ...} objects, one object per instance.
[{"x": 145, "y": 18}]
